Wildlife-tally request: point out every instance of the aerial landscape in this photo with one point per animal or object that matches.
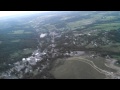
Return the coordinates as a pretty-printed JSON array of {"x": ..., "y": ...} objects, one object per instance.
[{"x": 60, "y": 45}]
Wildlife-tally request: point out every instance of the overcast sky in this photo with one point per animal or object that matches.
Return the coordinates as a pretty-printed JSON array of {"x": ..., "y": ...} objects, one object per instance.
[{"x": 9, "y": 13}]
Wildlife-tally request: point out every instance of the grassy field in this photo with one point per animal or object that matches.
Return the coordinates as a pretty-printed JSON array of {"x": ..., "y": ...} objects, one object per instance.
[
  {"x": 107, "y": 27},
  {"x": 0, "y": 42},
  {"x": 112, "y": 47},
  {"x": 27, "y": 32},
  {"x": 80, "y": 24},
  {"x": 100, "y": 62},
  {"x": 103, "y": 17},
  {"x": 73, "y": 69},
  {"x": 21, "y": 53},
  {"x": 19, "y": 32},
  {"x": 28, "y": 51},
  {"x": 15, "y": 40}
]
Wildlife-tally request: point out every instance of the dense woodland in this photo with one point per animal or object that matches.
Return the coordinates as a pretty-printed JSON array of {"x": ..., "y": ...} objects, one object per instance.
[{"x": 15, "y": 43}]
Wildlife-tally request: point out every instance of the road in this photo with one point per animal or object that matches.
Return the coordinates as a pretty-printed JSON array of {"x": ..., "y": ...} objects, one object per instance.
[{"x": 111, "y": 64}]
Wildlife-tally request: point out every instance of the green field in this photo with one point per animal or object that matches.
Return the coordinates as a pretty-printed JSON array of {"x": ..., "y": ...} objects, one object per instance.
[
  {"x": 15, "y": 40},
  {"x": 100, "y": 62},
  {"x": 112, "y": 47},
  {"x": 0, "y": 42},
  {"x": 21, "y": 53},
  {"x": 80, "y": 24},
  {"x": 73, "y": 69},
  {"x": 109, "y": 26},
  {"x": 20, "y": 32},
  {"x": 105, "y": 27}
]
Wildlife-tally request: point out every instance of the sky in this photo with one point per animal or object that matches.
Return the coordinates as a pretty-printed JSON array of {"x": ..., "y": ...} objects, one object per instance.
[{"x": 10, "y": 13}]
